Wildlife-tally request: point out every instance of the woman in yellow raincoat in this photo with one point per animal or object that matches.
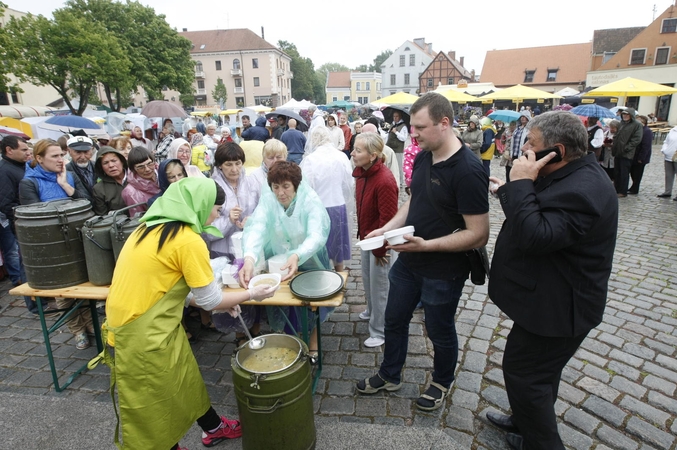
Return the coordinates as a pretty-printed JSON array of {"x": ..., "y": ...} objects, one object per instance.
[{"x": 160, "y": 389}]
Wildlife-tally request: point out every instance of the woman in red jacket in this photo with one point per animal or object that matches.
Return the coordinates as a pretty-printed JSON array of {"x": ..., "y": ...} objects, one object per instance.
[{"x": 376, "y": 198}]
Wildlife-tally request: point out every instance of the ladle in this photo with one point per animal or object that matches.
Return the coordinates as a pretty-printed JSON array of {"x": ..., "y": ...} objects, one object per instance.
[{"x": 254, "y": 344}]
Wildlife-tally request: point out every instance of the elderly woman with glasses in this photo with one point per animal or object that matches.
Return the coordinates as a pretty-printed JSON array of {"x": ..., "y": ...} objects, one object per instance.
[{"x": 142, "y": 181}]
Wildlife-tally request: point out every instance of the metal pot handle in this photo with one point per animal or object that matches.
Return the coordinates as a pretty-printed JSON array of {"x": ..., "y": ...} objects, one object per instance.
[{"x": 264, "y": 410}]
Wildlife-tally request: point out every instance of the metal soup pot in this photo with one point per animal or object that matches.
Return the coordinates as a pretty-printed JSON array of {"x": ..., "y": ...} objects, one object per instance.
[{"x": 275, "y": 406}]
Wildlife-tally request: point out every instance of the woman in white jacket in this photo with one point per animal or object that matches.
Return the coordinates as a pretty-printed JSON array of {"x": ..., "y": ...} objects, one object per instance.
[
  {"x": 338, "y": 139},
  {"x": 668, "y": 150}
]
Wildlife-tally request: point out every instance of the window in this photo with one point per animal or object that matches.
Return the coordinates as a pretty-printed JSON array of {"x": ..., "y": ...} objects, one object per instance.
[
  {"x": 262, "y": 100},
  {"x": 529, "y": 76},
  {"x": 367, "y": 86},
  {"x": 637, "y": 56},
  {"x": 392, "y": 80},
  {"x": 363, "y": 100},
  {"x": 450, "y": 80},
  {"x": 255, "y": 63},
  {"x": 406, "y": 79},
  {"x": 334, "y": 99},
  {"x": 552, "y": 75},
  {"x": 662, "y": 54},
  {"x": 198, "y": 66},
  {"x": 239, "y": 101},
  {"x": 669, "y": 26},
  {"x": 346, "y": 97},
  {"x": 430, "y": 82},
  {"x": 378, "y": 86},
  {"x": 256, "y": 81},
  {"x": 15, "y": 97},
  {"x": 218, "y": 65},
  {"x": 359, "y": 86},
  {"x": 401, "y": 60},
  {"x": 200, "y": 84},
  {"x": 238, "y": 82},
  {"x": 412, "y": 60},
  {"x": 607, "y": 56},
  {"x": 236, "y": 64}
]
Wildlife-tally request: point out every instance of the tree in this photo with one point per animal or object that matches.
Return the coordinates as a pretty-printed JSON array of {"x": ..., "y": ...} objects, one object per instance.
[
  {"x": 68, "y": 53},
  {"x": 187, "y": 99},
  {"x": 380, "y": 59},
  {"x": 160, "y": 57},
  {"x": 322, "y": 73},
  {"x": 303, "y": 84},
  {"x": 6, "y": 56},
  {"x": 362, "y": 68},
  {"x": 220, "y": 93}
]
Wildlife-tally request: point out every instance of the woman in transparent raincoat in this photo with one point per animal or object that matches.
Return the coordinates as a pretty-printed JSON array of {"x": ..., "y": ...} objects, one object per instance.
[{"x": 290, "y": 220}]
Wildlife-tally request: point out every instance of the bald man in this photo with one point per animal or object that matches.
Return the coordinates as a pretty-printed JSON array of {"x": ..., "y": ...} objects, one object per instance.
[{"x": 295, "y": 142}]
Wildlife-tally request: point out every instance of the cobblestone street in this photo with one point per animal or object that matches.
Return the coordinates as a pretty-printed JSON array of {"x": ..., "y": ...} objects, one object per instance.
[{"x": 618, "y": 392}]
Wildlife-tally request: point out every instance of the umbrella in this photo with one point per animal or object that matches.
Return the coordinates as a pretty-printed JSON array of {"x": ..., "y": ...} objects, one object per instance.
[
  {"x": 631, "y": 87},
  {"x": 66, "y": 124},
  {"x": 518, "y": 94},
  {"x": 388, "y": 114},
  {"x": 7, "y": 131},
  {"x": 615, "y": 109},
  {"x": 161, "y": 108},
  {"x": 340, "y": 104},
  {"x": 401, "y": 98},
  {"x": 504, "y": 115},
  {"x": 457, "y": 96},
  {"x": 593, "y": 110},
  {"x": 301, "y": 124},
  {"x": 19, "y": 125}
]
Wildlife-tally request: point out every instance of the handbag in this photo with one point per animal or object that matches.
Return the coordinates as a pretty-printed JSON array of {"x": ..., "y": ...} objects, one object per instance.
[{"x": 477, "y": 257}]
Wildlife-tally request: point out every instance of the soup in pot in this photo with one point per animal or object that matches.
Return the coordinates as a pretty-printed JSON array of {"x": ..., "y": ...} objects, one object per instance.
[{"x": 269, "y": 359}]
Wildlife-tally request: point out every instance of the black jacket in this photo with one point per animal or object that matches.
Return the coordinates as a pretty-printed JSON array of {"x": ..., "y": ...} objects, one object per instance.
[
  {"x": 86, "y": 181},
  {"x": 11, "y": 173},
  {"x": 553, "y": 256}
]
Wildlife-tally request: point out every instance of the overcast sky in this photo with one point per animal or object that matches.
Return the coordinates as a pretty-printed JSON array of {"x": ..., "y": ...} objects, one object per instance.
[{"x": 353, "y": 33}]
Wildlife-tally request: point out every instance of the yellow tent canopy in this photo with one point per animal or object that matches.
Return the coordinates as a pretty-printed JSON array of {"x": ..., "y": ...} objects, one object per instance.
[
  {"x": 400, "y": 98},
  {"x": 10, "y": 122},
  {"x": 631, "y": 87},
  {"x": 229, "y": 112},
  {"x": 518, "y": 93},
  {"x": 457, "y": 96}
]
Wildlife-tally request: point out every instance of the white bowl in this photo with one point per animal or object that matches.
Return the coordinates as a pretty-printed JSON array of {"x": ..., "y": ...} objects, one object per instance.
[
  {"x": 371, "y": 243},
  {"x": 272, "y": 279},
  {"x": 276, "y": 262},
  {"x": 396, "y": 237}
]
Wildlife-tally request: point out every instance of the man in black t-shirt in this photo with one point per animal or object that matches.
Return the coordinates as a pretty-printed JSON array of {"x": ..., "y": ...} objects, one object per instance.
[{"x": 432, "y": 266}]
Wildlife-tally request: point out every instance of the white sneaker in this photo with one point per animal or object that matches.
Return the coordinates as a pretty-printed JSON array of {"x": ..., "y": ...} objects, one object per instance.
[
  {"x": 374, "y": 342},
  {"x": 365, "y": 315}
]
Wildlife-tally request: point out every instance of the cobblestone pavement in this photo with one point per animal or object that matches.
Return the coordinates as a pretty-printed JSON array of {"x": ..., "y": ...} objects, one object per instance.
[{"x": 618, "y": 392}]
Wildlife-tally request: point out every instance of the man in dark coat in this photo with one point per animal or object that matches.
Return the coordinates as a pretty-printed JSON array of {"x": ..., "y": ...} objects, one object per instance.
[
  {"x": 80, "y": 151},
  {"x": 625, "y": 143},
  {"x": 550, "y": 270},
  {"x": 258, "y": 132}
]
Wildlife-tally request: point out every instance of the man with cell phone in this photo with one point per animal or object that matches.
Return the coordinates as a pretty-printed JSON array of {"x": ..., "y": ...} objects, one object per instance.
[{"x": 550, "y": 270}]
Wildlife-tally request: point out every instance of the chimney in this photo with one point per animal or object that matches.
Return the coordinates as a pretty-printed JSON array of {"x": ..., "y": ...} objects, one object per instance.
[
  {"x": 461, "y": 59},
  {"x": 420, "y": 42},
  {"x": 185, "y": 29},
  {"x": 263, "y": 34},
  {"x": 452, "y": 55}
]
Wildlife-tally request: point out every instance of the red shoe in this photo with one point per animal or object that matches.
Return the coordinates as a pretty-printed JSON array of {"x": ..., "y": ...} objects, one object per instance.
[{"x": 229, "y": 429}]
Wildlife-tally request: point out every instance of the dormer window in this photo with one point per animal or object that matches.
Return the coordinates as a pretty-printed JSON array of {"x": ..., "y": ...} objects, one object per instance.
[
  {"x": 529, "y": 76},
  {"x": 669, "y": 26},
  {"x": 552, "y": 75},
  {"x": 202, "y": 47}
]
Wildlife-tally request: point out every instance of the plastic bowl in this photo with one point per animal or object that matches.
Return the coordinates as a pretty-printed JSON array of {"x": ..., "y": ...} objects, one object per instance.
[
  {"x": 371, "y": 243},
  {"x": 396, "y": 237},
  {"x": 272, "y": 279}
]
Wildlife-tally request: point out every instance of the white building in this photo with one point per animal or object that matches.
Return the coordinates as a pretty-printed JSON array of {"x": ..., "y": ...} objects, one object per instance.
[{"x": 400, "y": 72}]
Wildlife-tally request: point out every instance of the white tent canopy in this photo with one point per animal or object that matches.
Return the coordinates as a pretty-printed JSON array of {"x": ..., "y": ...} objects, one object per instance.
[
  {"x": 296, "y": 105},
  {"x": 567, "y": 92}
]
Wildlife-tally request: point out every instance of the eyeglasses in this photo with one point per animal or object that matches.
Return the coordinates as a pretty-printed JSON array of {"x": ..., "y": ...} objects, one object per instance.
[
  {"x": 148, "y": 166},
  {"x": 183, "y": 152}
]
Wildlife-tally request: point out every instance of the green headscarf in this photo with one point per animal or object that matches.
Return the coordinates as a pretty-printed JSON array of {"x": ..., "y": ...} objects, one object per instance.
[{"x": 189, "y": 200}]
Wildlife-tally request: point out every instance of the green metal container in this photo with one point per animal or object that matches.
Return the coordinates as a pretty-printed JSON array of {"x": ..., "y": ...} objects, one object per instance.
[
  {"x": 96, "y": 239},
  {"x": 276, "y": 408},
  {"x": 50, "y": 243},
  {"x": 121, "y": 229}
]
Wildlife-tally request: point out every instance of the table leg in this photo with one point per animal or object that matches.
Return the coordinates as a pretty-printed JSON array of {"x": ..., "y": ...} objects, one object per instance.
[
  {"x": 48, "y": 344},
  {"x": 96, "y": 325},
  {"x": 318, "y": 371}
]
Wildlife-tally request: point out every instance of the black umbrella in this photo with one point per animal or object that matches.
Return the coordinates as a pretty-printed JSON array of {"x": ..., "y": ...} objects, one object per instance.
[
  {"x": 404, "y": 113},
  {"x": 301, "y": 124}
]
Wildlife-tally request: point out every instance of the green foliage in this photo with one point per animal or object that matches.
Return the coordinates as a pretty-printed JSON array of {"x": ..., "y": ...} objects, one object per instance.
[
  {"x": 220, "y": 93},
  {"x": 6, "y": 55},
  {"x": 187, "y": 99},
  {"x": 159, "y": 56},
  {"x": 322, "y": 72},
  {"x": 68, "y": 53},
  {"x": 303, "y": 85},
  {"x": 362, "y": 68},
  {"x": 380, "y": 59}
]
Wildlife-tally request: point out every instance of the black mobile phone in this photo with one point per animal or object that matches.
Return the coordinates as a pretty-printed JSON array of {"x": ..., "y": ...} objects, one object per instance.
[{"x": 547, "y": 151}]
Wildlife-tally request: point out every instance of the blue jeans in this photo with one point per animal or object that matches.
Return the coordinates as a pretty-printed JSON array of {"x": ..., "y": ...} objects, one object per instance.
[
  {"x": 295, "y": 157},
  {"x": 440, "y": 299},
  {"x": 12, "y": 260}
]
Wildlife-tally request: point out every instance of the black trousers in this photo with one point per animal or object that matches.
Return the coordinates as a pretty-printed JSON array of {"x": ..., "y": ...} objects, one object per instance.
[
  {"x": 622, "y": 174},
  {"x": 636, "y": 173},
  {"x": 208, "y": 421},
  {"x": 532, "y": 367}
]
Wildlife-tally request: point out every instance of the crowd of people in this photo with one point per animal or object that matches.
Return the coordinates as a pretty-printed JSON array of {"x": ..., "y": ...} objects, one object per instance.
[{"x": 293, "y": 194}]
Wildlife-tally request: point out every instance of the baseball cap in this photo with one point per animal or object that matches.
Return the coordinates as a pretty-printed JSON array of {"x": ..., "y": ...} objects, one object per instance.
[{"x": 80, "y": 143}]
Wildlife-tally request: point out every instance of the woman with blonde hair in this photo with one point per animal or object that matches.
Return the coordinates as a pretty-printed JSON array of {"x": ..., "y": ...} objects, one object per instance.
[
  {"x": 376, "y": 196},
  {"x": 122, "y": 144},
  {"x": 273, "y": 150}
]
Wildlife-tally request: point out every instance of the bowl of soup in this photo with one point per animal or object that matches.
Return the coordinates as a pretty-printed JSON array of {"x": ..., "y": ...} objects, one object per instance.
[{"x": 267, "y": 279}]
